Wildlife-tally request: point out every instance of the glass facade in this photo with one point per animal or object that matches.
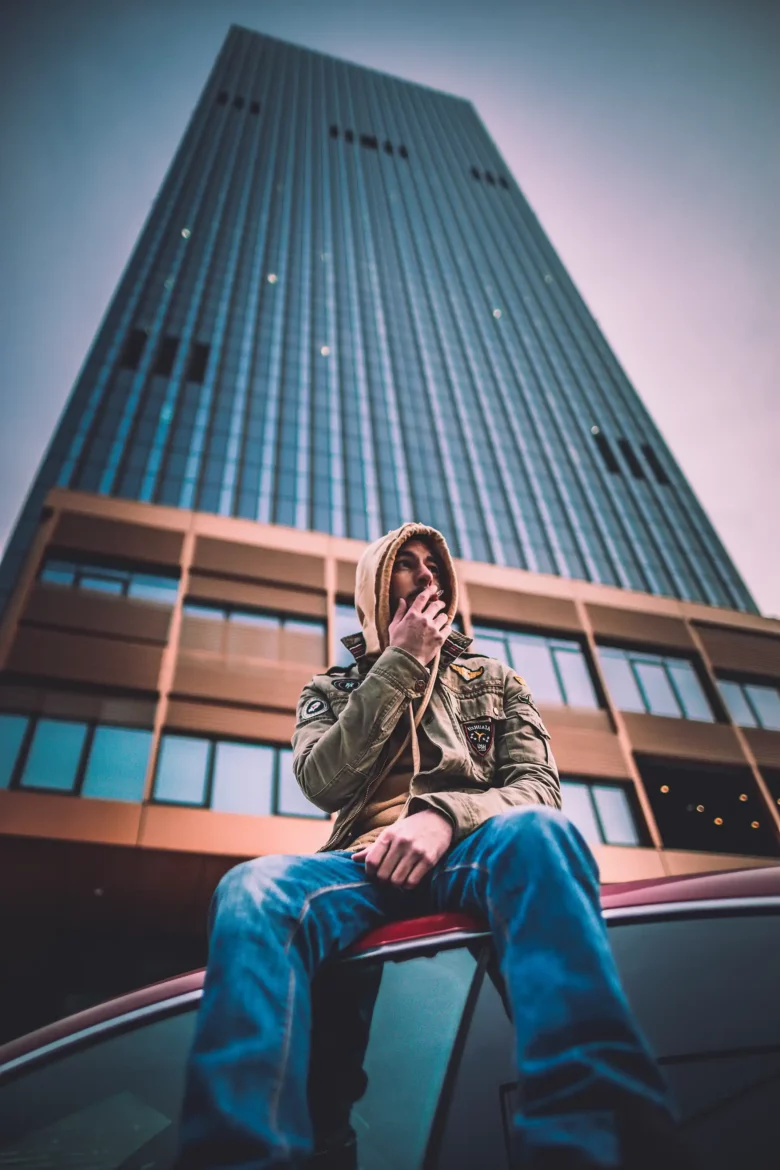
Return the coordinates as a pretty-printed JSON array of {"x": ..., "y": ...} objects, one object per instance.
[
  {"x": 655, "y": 684},
  {"x": 555, "y": 668},
  {"x": 110, "y": 578},
  {"x": 342, "y": 314},
  {"x": 752, "y": 704}
]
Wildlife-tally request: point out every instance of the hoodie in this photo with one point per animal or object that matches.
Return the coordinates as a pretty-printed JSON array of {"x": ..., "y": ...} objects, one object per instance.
[{"x": 388, "y": 737}]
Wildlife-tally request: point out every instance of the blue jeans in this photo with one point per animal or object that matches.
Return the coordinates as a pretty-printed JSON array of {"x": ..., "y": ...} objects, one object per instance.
[{"x": 529, "y": 873}]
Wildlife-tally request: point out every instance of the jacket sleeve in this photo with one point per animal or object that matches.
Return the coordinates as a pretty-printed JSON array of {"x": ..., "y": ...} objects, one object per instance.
[
  {"x": 525, "y": 772},
  {"x": 334, "y": 757}
]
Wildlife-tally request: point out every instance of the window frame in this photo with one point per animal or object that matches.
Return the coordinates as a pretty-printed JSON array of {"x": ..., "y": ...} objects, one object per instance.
[
  {"x": 743, "y": 684},
  {"x": 549, "y": 637},
  {"x": 661, "y": 659},
  {"x": 111, "y": 570},
  {"x": 634, "y": 808}
]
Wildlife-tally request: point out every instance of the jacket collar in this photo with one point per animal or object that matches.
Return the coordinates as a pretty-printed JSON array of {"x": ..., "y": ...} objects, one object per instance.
[{"x": 455, "y": 645}]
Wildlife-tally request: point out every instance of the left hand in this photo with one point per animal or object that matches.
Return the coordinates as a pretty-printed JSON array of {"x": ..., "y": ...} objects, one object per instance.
[{"x": 404, "y": 852}]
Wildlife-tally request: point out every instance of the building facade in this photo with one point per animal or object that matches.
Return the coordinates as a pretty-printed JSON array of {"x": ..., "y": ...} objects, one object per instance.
[{"x": 342, "y": 314}]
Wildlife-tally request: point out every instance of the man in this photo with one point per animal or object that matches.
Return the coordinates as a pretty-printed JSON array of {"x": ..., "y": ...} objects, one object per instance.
[{"x": 458, "y": 810}]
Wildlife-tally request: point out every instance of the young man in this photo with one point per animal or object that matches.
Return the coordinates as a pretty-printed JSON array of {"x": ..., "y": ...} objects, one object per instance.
[{"x": 456, "y": 811}]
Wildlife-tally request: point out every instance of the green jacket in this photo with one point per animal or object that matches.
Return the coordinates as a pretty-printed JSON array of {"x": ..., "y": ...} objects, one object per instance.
[{"x": 495, "y": 749}]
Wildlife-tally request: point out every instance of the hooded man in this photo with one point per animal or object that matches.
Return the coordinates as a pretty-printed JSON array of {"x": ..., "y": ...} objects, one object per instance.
[{"x": 438, "y": 766}]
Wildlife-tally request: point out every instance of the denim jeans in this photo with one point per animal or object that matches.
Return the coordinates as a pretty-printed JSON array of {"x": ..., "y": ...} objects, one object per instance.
[{"x": 530, "y": 875}]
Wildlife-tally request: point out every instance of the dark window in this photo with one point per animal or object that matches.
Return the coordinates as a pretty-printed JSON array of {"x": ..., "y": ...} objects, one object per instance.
[
  {"x": 490, "y": 178},
  {"x": 475, "y": 173},
  {"x": 404, "y": 153},
  {"x": 705, "y": 993},
  {"x": 710, "y": 808},
  {"x": 772, "y": 778},
  {"x": 654, "y": 464},
  {"x": 238, "y": 103},
  {"x": 254, "y": 108},
  {"x": 13, "y": 729},
  {"x": 388, "y": 148},
  {"x": 606, "y": 453},
  {"x": 199, "y": 356},
  {"x": 503, "y": 182},
  {"x": 134, "y": 347},
  {"x": 334, "y": 131},
  {"x": 369, "y": 141},
  {"x": 634, "y": 465},
  {"x": 166, "y": 355},
  {"x": 222, "y": 98},
  {"x": 349, "y": 136}
]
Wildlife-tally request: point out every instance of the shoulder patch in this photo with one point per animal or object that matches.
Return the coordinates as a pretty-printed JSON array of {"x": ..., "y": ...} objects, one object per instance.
[
  {"x": 314, "y": 707},
  {"x": 479, "y": 733},
  {"x": 347, "y": 684},
  {"x": 520, "y": 680},
  {"x": 467, "y": 672}
]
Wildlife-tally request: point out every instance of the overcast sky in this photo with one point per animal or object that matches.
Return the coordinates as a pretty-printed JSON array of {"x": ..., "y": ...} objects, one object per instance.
[{"x": 643, "y": 132}]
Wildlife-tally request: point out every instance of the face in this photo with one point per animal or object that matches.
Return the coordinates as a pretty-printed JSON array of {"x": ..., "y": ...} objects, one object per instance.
[{"x": 415, "y": 567}]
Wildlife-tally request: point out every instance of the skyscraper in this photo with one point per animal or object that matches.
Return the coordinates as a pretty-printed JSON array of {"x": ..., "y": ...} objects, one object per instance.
[{"x": 342, "y": 314}]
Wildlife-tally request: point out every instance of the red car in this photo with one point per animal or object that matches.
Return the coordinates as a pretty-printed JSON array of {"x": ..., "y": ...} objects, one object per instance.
[{"x": 430, "y": 1082}]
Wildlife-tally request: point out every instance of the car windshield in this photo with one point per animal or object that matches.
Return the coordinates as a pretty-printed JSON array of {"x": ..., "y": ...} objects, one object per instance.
[{"x": 382, "y": 1041}]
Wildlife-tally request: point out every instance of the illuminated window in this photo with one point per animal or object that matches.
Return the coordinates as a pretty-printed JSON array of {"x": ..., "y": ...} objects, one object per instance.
[
  {"x": 555, "y": 669},
  {"x": 655, "y": 684}
]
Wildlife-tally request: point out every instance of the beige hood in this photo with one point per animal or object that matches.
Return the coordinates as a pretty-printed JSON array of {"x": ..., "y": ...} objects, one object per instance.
[{"x": 372, "y": 581}]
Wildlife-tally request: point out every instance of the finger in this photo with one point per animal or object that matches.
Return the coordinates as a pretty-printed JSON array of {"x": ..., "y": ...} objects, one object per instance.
[
  {"x": 390, "y": 860},
  {"x": 403, "y": 869},
  {"x": 360, "y": 854},
  {"x": 375, "y": 855},
  {"x": 423, "y": 597},
  {"x": 434, "y": 606},
  {"x": 441, "y": 621},
  {"x": 400, "y": 609},
  {"x": 417, "y": 874}
]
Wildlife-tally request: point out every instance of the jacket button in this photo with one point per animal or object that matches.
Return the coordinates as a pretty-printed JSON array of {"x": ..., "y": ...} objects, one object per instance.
[{"x": 419, "y": 687}]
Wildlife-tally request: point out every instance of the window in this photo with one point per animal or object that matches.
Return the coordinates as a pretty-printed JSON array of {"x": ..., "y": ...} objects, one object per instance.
[
  {"x": 54, "y": 755},
  {"x": 475, "y": 173},
  {"x": 199, "y": 356},
  {"x": 349, "y": 136},
  {"x": 254, "y": 108},
  {"x": 654, "y": 684},
  {"x": 752, "y": 704},
  {"x": 388, "y": 147},
  {"x": 490, "y": 179},
  {"x": 334, "y": 131},
  {"x": 229, "y": 776},
  {"x": 166, "y": 355},
  {"x": 369, "y": 141},
  {"x": 555, "y": 668},
  {"x": 117, "y": 762},
  {"x": 12, "y": 732},
  {"x": 63, "y": 755},
  {"x": 134, "y": 348},
  {"x": 347, "y": 623},
  {"x": 123, "y": 581},
  {"x": 601, "y": 812},
  {"x": 654, "y": 464},
  {"x": 503, "y": 182},
  {"x": 254, "y": 634},
  {"x": 404, "y": 153},
  {"x": 710, "y": 808},
  {"x": 635, "y": 467},
  {"x": 605, "y": 451},
  {"x": 222, "y": 98}
]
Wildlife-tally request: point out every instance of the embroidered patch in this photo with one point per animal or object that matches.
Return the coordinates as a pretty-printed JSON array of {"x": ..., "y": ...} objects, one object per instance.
[
  {"x": 520, "y": 680},
  {"x": 347, "y": 684},
  {"x": 479, "y": 733},
  {"x": 466, "y": 672},
  {"x": 314, "y": 707}
]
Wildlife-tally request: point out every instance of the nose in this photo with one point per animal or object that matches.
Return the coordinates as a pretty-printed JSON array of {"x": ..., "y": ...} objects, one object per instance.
[{"x": 424, "y": 577}]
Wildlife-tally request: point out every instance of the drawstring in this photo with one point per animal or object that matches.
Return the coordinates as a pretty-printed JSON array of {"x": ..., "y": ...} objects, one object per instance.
[{"x": 414, "y": 723}]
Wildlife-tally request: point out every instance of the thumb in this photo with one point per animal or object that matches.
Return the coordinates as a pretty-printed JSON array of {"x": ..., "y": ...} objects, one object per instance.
[{"x": 400, "y": 609}]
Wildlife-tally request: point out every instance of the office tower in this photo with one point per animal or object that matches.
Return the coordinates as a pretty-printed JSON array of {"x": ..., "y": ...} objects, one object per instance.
[{"x": 341, "y": 314}]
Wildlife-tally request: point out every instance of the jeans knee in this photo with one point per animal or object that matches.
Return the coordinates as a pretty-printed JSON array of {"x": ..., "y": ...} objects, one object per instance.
[
  {"x": 249, "y": 883},
  {"x": 535, "y": 823}
]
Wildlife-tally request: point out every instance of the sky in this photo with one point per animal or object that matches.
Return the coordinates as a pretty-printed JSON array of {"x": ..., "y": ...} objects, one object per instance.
[{"x": 644, "y": 133}]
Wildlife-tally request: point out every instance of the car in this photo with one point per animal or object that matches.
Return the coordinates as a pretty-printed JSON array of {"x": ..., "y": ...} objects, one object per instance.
[{"x": 414, "y": 1052}]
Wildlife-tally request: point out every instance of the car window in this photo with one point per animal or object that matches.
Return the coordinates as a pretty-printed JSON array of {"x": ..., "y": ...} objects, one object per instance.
[
  {"x": 112, "y": 1103},
  {"x": 382, "y": 1040},
  {"x": 705, "y": 992}
]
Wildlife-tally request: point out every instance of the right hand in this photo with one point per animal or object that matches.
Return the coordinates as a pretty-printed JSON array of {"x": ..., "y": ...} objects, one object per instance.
[{"x": 422, "y": 627}]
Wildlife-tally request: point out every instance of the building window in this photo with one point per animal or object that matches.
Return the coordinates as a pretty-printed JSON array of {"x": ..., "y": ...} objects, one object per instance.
[
  {"x": 253, "y": 633},
  {"x": 64, "y": 755},
  {"x": 490, "y": 179},
  {"x": 475, "y": 173},
  {"x": 134, "y": 348},
  {"x": 349, "y": 136},
  {"x": 334, "y": 131},
  {"x": 404, "y": 153},
  {"x": 555, "y": 668},
  {"x": 229, "y": 776},
  {"x": 104, "y": 577},
  {"x": 752, "y": 704},
  {"x": 196, "y": 371},
  {"x": 605, "y": 451},
  {"x": 346, "y": 623},
  {"x": 655, "y": 464},
  {"x": 654, "y": 684},
  {"x": 166, "y": 355},
  {"x": 601, "y": 812},
  {"x": 634, "y": 466},
  {"x": 706, "y": 807},
  {"x": 369, "y": 141},
  {"x": 388, "y": 147},
  {"x": 254, "y": 108},
  {"x": 503, "y": 182},
  {"x": 222, "y": 98}
]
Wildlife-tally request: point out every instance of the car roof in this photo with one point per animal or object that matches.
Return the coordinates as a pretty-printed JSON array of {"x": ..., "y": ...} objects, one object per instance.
[{"x": 729, "y": 886}]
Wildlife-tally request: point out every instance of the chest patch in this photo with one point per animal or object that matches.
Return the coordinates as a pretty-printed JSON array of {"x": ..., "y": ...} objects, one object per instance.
[
  {"x": 479, "y": 733},
  {"x": 314, "y": 707},
  {"x": 347, "y": 684},
  {"x": 466, "y": 672}
]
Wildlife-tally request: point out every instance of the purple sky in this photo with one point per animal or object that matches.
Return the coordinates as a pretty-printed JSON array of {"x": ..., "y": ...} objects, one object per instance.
[{"x": 643, "y": 132}]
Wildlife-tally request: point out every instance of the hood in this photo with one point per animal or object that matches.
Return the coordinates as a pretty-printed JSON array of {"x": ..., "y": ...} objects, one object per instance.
[{"x": 372, "y": 581}]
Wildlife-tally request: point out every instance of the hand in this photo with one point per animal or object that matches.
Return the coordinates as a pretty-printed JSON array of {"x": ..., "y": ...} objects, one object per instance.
[
  {"x": 404, "y": 852},
  {"x": 422, "y": 627}
]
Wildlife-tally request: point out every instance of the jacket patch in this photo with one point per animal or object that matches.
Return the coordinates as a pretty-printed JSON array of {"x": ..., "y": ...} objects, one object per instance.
[
  {"x": 479, "y": 733},
  {"x": 314, "y": 707},
  {"x": 520, "y": 680},
  {"x": 466, "y": 672},
  {"x": 347, "y": 684}
]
